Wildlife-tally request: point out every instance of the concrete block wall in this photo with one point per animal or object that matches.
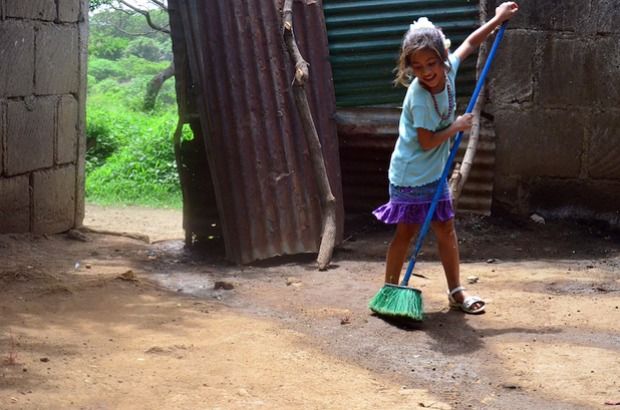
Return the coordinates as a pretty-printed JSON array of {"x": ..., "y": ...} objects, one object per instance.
[
  {"x": 555, "y": 98},
  {"x": 42, "y": 110}
]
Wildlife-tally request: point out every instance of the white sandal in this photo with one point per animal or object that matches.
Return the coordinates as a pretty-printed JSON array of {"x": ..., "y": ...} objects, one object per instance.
[{"x": 468, "y": 302}]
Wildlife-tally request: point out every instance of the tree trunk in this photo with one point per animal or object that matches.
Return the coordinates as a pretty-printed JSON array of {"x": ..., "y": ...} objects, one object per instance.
[
  {"x": 328, "y": 201},
  {"x": 154, "y": 86}
]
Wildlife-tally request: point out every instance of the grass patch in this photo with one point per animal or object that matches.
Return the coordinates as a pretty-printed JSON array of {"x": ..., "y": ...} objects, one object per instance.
[{"x": 130, "y": 160}]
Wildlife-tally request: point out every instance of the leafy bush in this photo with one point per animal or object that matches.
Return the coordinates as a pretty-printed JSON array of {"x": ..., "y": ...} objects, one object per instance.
[
  {"x": 166, "y": 49},
  {"x": 130, "y": 156},
  {"x": 99, "y": 141},
  {"x": 101, "y": 68},
  {"x": 143, "y": 171},
  {"x": 111, "y": 48},
  {"x": 133, "y": 160},
  {"x": 135, "y": 66},
  {"x": 144, "y": 47}
]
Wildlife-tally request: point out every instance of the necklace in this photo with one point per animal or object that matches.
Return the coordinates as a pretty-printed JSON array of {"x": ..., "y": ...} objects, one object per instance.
[{"x": 451, "y": 102}]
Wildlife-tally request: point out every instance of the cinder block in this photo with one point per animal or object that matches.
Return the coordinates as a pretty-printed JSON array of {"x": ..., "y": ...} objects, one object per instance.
[
  {"x": 552, "y": 15},
  {"x": 604, "y": 148},
  {"x": 604, "y": 71},
  {"x": 17, "y": 57},
  {"x": 508, "y": 194},
  {"x": 2, "y": 135},
  {"x": 580, "y": 72},
  {"x": 603, "y": 17},
  {"x": 67, "y": 130},
  {"x": 558, "y": 194},
  {"x": 569, "y": 73},
  {"x": 68, "y": 10},
  {"x": 512, "y": 76},
  {"x": 57, "y": 51},
  {"x": 14, "y": 204},
  {"x": 30, "y": 135},
  {"x": 54, "y": 200},
  {"x": 31, "y": 9},
  {"x": 539, "y": 142}
]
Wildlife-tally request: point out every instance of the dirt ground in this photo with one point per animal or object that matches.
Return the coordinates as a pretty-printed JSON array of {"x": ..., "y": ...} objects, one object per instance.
[{"x": 101, "y": 321}]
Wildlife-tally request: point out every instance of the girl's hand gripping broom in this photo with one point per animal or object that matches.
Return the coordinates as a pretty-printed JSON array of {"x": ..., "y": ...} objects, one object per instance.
[{"x": 403, "y": 301}]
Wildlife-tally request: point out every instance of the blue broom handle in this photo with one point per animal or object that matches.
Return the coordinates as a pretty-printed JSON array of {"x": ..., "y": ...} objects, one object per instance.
[{"x": 455, "y": 147}]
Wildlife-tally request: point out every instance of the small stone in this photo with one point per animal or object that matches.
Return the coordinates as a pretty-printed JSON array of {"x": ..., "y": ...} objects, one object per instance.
[
  {"x": 472, "y": 279},
  {"x": 77, "y": 236},
  {"x": 44, "y": 359},
  {"x": 510, "y": 386},
  {"x": 292, "y": 281},
  {"x": 128, "y": 276},
  {"x": 538, "y": 219},
  {"x": 223, "y": 285}
]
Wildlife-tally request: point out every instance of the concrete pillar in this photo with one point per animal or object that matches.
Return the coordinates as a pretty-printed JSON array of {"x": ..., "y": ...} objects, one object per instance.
[{"x": 43, "y": 46}]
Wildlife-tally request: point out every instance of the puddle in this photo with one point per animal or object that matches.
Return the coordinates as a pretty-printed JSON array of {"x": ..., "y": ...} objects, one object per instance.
[
  {"x": 191, "y": 273},
  {"x": 190, "y": 283}
]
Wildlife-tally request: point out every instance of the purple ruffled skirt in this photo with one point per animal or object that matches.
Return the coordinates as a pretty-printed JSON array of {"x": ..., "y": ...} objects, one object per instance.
[{"x": 411, "y": 204}]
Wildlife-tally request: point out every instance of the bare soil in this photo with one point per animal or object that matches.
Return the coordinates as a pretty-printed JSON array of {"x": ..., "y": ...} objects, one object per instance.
[{"x": 103, "y": 321}]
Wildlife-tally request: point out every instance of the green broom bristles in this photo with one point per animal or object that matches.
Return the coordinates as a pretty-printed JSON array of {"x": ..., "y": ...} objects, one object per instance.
[{"x": 398, "y": 301}]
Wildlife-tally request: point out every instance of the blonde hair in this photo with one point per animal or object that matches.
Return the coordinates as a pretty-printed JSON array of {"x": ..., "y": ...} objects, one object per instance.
[{"x": 421, "y": 35}]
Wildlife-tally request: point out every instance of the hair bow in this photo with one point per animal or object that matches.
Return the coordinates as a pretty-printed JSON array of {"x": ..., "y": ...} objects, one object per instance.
[{"x": 424, "y": 22}]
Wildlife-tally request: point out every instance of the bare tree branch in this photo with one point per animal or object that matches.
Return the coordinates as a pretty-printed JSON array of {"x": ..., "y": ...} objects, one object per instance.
[
  {"x": 122, "y": 10},
  {"x": 461, "y": 171},
  {"x": 147, "y": 16},
  {"x": 145, "y": 34},
  {"x": 159, "y": 4},
  {"x": 153, "y": 87},
  {"x": 328, "y": 201}
]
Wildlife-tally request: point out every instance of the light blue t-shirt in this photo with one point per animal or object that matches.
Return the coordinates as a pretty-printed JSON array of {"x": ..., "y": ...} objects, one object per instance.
[{"x": 410, "y": 164}]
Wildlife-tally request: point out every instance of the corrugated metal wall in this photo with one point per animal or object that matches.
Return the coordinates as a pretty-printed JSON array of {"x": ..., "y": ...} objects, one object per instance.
[
  {"x": 267, "y": 199},
  {"x": 367, "y": 137},
  {"x": 200, "y": 214},
  {"x": 365, "y": 37},
  {"x": 477, "y": 194}
]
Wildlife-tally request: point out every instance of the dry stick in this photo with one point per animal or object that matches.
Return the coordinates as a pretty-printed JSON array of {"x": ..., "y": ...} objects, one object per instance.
[
  {"x": 461, "y": 171},
  {"x": 136, "y": 236},
  {"x": 328, "y": 202}
]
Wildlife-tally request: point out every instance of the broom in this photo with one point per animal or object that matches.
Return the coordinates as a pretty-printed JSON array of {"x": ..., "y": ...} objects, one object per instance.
[{"x": 401, "y": 301}]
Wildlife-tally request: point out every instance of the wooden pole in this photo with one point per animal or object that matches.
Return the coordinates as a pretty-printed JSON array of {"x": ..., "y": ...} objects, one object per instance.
[{"x": 328, "y": 201}]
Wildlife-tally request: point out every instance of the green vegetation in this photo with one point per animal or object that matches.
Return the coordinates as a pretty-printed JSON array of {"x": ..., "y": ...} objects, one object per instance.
[{"x": 130, "y": 159}]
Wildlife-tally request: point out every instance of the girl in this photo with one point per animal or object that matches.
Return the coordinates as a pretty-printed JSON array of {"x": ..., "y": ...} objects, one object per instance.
[{"x": 426, "y": 125}]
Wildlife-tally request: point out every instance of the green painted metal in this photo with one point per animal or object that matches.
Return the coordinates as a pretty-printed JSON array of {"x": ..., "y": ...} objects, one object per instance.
[{"x": 364, "y": 40}]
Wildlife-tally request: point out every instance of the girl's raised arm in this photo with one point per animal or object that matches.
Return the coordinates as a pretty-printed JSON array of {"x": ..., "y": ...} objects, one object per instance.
[{"x": 502, "y": 13}]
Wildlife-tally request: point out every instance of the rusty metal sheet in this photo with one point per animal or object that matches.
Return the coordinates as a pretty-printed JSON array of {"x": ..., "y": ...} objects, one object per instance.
[
  {"x": 200, "y": 214},
  {"x": 367, "y": 137},
  {"x": 267, "y": 200}
]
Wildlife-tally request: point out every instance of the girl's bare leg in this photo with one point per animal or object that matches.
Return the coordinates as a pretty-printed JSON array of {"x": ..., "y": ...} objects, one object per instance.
[
  {"x": 398, "y": 250},
  {"x": 449, "y": 253}
]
